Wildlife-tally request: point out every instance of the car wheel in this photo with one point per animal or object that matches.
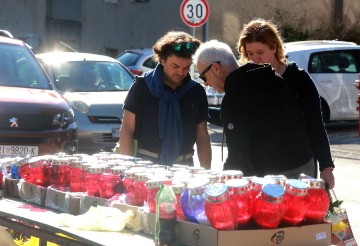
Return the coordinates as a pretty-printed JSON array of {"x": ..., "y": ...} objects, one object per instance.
[{"x": 325, "y": 111}]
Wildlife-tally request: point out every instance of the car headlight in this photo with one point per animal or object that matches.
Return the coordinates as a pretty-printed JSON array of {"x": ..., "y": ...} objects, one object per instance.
[
  {"x": 64, "y": 119},
  {"x": 80, "y": 106}
]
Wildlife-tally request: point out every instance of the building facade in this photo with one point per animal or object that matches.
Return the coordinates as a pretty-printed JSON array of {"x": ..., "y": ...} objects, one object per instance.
[{"x": 111, "y": 26}]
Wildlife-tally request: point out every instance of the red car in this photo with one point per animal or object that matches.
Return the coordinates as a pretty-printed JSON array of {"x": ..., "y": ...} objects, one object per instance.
[{"x": 34, "y": 118}]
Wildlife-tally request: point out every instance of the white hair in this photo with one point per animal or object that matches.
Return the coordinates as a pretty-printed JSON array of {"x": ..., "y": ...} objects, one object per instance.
[{"x": 215, "y": 50}]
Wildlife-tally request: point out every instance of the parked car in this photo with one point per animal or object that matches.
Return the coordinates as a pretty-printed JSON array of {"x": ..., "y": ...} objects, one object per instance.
[
  {"x": 214, "y": 98},
  {"x": 138, "y": 61},
  {"x": 96, "y": 87},
  {"x": 334, "y": 66},
  {"x": 34, "y": 118}
]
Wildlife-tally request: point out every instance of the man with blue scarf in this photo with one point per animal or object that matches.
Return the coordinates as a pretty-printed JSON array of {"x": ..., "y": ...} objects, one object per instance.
[{"x": 166, "y": 112}]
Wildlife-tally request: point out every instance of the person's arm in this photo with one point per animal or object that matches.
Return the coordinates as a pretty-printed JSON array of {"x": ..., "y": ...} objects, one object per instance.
[
  {"x": 126, "y": 133},
  {"x": 203, "y": 145}
]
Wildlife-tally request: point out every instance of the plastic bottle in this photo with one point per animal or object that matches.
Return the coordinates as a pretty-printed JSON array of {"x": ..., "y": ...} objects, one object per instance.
[{"x": 165, "y": 215}]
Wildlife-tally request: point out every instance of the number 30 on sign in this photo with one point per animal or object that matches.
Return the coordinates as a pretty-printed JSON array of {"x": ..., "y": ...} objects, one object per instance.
[{"x": 194, "y": 12}]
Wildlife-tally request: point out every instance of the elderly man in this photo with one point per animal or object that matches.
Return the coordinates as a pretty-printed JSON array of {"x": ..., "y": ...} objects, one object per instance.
[{"x": 264, "y": 128}]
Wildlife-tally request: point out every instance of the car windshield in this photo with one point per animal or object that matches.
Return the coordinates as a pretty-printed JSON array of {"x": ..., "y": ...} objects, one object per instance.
[
  {"x": 19, "y": 68},
  {"x": 129, "y": 58},
  {"x": 91, "y": 76}
]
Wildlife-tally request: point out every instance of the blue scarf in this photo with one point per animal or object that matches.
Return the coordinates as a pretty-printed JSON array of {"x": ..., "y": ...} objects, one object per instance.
[{"x": 169, "y": 121}]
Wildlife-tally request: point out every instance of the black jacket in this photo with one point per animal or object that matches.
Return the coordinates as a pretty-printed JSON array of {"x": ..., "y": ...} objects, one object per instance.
[
  {"x": 264, "y": 128},
  {"x": 304, "y": 89}
]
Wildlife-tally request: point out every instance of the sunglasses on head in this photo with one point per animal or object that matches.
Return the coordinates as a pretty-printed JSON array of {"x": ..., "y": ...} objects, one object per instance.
[
  {"x": 201, "y": 76},
  {"x": 184, "y": 46}
]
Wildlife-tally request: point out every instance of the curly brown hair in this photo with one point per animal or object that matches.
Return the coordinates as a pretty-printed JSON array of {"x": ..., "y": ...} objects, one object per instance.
[
  {"x": 263, "y": 31},
  {"x": 176, "y": 43}
]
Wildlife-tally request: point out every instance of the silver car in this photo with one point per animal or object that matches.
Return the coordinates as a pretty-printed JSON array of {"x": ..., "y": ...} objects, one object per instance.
[
  {"x": 138, "y": 61},
  {"x": 96, "y": 87}
]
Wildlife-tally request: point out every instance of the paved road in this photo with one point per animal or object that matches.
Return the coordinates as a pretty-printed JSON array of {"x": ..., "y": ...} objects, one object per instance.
[{"x": 345, "y": 147}]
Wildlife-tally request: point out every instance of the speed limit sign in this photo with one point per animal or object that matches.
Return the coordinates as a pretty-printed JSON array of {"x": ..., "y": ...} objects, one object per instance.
[{"x": 194, "y": 12}]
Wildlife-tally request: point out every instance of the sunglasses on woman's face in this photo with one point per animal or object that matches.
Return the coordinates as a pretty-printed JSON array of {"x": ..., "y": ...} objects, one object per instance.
[
  {"x": 201, "y": 76},
  {"x": 184, "y": 46}
]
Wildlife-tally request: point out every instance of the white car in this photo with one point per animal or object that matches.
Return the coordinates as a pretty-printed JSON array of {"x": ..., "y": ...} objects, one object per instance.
[
  {"x": 96, "y": 87},
  {"x": 138, "y": 61},
  {"x": 334, "y": 66}
]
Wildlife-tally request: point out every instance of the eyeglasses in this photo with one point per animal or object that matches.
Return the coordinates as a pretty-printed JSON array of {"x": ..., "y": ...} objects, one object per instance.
[
  {"x": 201, "y": 76},
  {"x": 184, "y": 46}
]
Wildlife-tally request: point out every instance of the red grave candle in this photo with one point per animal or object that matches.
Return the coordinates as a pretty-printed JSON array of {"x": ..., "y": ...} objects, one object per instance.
[
  {"x": 318, "y": 201},
  {"x": 239, "y": 191},
  {"x": 220, "y": 207},
  {"x": 269, "y": 206},
  {"x": 296, "y": 201}
]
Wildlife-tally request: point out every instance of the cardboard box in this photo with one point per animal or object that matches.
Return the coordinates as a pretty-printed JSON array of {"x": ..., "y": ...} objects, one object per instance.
[
  {"x": 11, "y": 187},
  {"x": 87, "y": 201},
  {"x": 32, "y": 193},
  {"x": 191, "y": 234},
  {"x": 68, "y": 202}
]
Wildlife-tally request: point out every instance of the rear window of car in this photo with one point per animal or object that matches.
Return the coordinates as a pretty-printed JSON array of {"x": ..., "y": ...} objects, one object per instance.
[
  {"x": 19, "y": 68},
  {"x": 129, "y": 58}
]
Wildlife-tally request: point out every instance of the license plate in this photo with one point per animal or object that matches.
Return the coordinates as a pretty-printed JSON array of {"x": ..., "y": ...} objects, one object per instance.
[
  {"x": 18, "y": 150},
  {"x": 115, "y": 132}
]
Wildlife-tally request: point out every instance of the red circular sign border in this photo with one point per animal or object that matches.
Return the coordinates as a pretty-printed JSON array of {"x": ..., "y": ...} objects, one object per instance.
[{"x": 190, "y": 23}]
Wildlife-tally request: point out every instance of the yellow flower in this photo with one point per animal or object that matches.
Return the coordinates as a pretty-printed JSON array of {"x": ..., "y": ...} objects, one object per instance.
[{"x": 339, "y": 227}]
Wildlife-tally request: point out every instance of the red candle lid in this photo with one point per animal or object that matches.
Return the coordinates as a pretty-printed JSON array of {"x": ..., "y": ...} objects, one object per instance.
[
  {"x": 273, "y": 193},
  {"x": 197, "y": 186},
  {"x": 141, "y": 177},
  {"x": 231, "y": 174},
  {"x": 178, "y": 188},
  {"x": 154, "y": 183},
  {"x": 296, "y": 187},
  {"x": 257, "y": 183},
  {"x": 237, "y": 186},
  {"x": 315, "y": 183},
  {"x": 76, "y": 164},
  {"x": 216, "y": 193},
  {"x": 96, "y": 169},
  {"x": 119, "y": 170},
  {"x": 277, "y": 179}
]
